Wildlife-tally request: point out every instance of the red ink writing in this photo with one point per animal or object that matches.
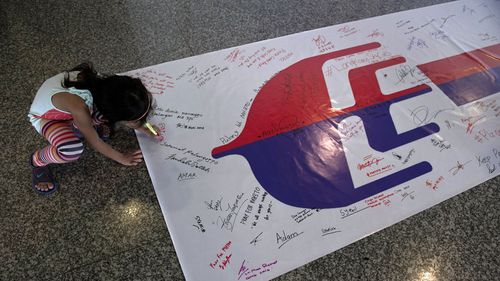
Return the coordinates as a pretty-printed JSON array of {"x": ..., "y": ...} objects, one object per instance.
[
  {"x": 434, "y": 185},
  {"x": 369, "y": 161},
  {"x": 156, "y": 82},
  {"x": 378, "y": 200},
  {"x": 322, "y": 44},
  {"x": 347, "y": 31},
  {"x": 222, "y": 259},
  {"x": 375, "y": 34}
]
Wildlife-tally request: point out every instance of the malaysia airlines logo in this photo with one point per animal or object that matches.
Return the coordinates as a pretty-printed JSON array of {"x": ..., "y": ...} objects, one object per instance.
[{"x": 291, "y": 138}]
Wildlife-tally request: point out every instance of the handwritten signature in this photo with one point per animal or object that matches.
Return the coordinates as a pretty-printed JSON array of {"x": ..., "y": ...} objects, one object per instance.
[
  {"x": 409, "y": 156},
  {"x": 251, "y": 272},
  {"x": 406, "y": 194},
  {"x": 369, "y": 161},
  {"x": 233, "y": 210},
  {"x": 404, "y": 72},
  {"x": 422, "y": 115},
  {"x": 217, "y": 206},
  {"x": 375, "y": 34},
  {"x": 471, "y": 122},
  {"x": 329, "y": 230},
  {"x": 282, "y": 240},
  {"x": 199, "y": 224},
  {"x": 441, "y": 144},
  {"x": 256, "y": 239},
  {"x": 434, "y": 185},
  {"x": 416, "y": 42},
  {"x": 459, "y": 167},
  {"x": 485, "y": 161},
  {"x": 186, "y": 176},
  {"x": 319, "y": 41},
  {"x": 445, "y": 20}
]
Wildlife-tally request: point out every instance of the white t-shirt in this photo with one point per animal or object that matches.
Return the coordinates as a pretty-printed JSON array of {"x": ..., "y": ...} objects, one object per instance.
[{"x": 42, "y": 106}]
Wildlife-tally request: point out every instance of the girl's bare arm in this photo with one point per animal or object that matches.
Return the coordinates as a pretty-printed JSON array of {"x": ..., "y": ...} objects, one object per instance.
[{"x": 83, "y": 121}]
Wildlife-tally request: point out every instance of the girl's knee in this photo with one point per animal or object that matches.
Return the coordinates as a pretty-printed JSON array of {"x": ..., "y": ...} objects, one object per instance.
[{"x": 71, "y": 150}]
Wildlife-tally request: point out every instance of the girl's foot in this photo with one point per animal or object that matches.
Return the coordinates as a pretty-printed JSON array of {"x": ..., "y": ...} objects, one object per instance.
[{"x": 43, "y": 181}]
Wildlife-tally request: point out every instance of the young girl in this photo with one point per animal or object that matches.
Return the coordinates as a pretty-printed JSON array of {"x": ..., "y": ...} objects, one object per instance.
[{"x": 82, "y": 104}]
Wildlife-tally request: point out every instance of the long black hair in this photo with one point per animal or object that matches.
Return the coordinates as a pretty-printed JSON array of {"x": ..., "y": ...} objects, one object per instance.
[{"x": 116, "y": 97}]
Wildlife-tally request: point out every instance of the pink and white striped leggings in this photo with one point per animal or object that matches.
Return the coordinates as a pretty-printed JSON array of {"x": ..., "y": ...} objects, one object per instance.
[{"x": 65, "y": 145}]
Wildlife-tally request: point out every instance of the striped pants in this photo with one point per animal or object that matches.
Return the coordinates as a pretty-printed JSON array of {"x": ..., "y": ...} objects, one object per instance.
[{"x": 65, "y": 143}]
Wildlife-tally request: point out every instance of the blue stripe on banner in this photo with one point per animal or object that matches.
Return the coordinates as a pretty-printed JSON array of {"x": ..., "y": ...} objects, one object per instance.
[{"x": 473, "y": 87}]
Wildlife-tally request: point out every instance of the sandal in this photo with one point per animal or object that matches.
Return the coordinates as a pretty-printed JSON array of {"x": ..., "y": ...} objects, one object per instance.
[{"x": 42, "y": 175}]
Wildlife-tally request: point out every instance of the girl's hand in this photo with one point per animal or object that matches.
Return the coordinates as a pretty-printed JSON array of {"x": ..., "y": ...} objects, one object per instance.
[
  {"x": 131, "y": 159},
  {"x": 146, "y": 131}
]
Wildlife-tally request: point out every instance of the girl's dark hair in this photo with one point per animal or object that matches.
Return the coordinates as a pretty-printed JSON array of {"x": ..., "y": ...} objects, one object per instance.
[{"x": 116, "y": 97}]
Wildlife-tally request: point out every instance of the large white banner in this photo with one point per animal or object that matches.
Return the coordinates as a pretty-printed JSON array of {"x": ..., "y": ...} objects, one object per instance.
[{"x": 278, "y": 152}]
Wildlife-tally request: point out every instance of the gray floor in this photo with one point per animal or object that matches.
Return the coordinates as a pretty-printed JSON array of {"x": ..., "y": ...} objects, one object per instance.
[{"x": 105, "y": 222}]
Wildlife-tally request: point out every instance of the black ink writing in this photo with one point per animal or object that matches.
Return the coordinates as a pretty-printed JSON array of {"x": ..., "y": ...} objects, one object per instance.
[
  {"x": 441, "y": 144},
  {"x": 329, "y": 230},
  {"x": 459, "y": 167},
  {"x": 199, "y": 224},
  {"x": 228, "y": 221},
  {"x": 256, "y": 239},
  {"x": 186, "y": 176},
  {"x": 282, "y": 240},
  {"x": 189, "y": 162}
]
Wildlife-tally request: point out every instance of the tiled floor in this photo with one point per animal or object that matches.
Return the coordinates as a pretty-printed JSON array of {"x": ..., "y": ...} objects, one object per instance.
[{"x": 105, "y": 222}]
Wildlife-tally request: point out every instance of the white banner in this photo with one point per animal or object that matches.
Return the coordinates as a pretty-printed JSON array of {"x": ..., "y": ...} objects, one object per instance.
[{"x": 278, "y": 152}]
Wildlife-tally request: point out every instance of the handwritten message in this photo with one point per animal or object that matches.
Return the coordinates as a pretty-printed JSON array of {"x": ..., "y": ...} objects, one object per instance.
[
  {"x": 258, "y": 207},
  {"x": 247, "y": 271},
  {"x": 259, "y": 58},
  {"x": 157, "y": 82},
  {"x": 222, "y": 257},
  {"x": 202, "y": 77}
]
